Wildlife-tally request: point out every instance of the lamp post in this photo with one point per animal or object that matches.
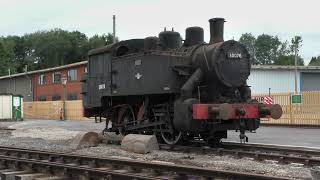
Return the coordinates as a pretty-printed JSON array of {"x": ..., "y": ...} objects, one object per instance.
[{"x": 64, "y": 83}]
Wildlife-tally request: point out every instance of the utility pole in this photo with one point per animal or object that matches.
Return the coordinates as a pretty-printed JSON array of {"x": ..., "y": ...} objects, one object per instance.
[
  {"x": 63, "y": 111},
  {"x": 295, "y": 68},
  {"x": 114, "y": 28}
]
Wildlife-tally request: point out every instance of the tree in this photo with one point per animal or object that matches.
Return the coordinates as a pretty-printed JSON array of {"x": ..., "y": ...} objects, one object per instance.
[
  {"x": 288, "y": 56},
  {"x": 43, "y": 49},
  {"x": 249, "y": 41},
  {"x": 6, "y": 60},
  {"x": 288, "y": 60},
  {"x": 267, "y": 49},
  {"x": 296, "y": 43},
  {"x": 315, "y": 61}
]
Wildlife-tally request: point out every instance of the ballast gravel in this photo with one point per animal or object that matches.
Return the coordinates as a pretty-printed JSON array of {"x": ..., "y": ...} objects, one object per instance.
[
  {"x": 52, "y": 137},
  {"x": 246, "y": 165}
]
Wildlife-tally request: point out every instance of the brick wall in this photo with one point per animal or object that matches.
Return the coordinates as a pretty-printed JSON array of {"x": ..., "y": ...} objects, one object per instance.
[{"x": 50, "y": 89}]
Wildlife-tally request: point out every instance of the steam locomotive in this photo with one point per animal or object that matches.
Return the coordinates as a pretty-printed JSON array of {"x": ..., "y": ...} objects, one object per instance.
[{"x": 178, "y": 90}]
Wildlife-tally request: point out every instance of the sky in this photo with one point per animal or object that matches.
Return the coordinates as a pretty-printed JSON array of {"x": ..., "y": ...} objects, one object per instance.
[{"x": 142, "y": 18}]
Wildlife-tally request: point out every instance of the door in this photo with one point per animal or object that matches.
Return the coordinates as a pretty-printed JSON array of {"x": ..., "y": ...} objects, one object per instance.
[
  {"x": 310, "y": 81},
  {"x": 16, "y": 107}
]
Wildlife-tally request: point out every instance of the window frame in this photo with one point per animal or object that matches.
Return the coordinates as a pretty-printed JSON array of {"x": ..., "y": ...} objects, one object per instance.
[
  {"x": 72, "y": 95},
  {"x": 42, "y": 79},
  {"x": 56, "y": 97},
  {"x": 75, "y": 77},
  {"x": 53, "y": 77},
  {"x": 42, "y": 98}
]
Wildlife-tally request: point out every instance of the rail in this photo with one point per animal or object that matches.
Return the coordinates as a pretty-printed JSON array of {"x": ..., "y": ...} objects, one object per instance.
[
  {"x": 282, "y": 154},
  {"x": 74, "y": 166}
]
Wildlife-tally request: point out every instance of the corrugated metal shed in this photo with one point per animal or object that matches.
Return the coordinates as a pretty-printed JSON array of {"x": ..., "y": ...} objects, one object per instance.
[
  {"x": 278, "y": 81},
  {"x": 281, "y": 78}
]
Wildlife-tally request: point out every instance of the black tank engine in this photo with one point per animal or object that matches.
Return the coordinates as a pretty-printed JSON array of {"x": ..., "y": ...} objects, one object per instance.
[{"x": 177, "y": 91}]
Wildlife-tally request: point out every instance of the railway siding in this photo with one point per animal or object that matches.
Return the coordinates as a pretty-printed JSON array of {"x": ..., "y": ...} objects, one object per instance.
[{"x": 75, "y": 166}]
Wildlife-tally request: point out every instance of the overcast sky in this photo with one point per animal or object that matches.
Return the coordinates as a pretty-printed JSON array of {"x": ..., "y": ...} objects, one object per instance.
[{"x": 141, "y": 18}]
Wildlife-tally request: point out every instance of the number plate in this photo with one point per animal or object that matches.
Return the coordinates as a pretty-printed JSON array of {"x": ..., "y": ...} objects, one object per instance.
[
  {"x": 102, "y": 86},
  {"x": 235, "y": 55}
]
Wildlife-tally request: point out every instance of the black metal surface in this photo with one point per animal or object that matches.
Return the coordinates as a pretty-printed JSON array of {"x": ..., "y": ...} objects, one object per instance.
[
  {"x": 99, "y": 81},
  {"x": 144, "y": 74},
  {"x": 151, "y": 43},
  {"x": 231, "y": 63},
  {"x": 194, "y": 36},
  {"x": 216, "y": 30},
  {"x": 169, "y": 40}
]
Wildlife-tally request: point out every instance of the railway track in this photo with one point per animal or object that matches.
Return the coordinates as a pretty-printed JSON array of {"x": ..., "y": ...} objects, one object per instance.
[
  {"x": 24, "y": 162},
  {"x": 281, "y": 154}
]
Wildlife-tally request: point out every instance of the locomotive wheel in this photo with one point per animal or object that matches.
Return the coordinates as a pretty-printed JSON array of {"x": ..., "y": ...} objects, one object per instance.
[
  {"x": 169, "y": 135},
  {"x": 125, "y": 118},
  {"x": 167, "y": 132}
]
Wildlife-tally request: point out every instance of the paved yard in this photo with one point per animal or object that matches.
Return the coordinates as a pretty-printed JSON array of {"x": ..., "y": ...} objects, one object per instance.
[{"x": 270, "y": 135}]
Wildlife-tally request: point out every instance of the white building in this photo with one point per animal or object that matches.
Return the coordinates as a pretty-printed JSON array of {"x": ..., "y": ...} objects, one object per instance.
[{"x": 281, "y": 79}]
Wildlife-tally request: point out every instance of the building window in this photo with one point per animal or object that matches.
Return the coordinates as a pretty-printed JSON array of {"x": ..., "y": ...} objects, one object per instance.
[
  {"x": 42, "y": 79},
  {"x": 56, "y": 77},
  {"x": 72, "y": 75},
  {"x": 42, "y": 98},
  {"x": 72, "y": 96},
  {"x": 85, "y": 69},
  {"x": 56, "y": 98}
]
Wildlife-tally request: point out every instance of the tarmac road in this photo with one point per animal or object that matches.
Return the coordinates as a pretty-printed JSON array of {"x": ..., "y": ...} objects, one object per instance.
[{"x": 307, "y": 137}]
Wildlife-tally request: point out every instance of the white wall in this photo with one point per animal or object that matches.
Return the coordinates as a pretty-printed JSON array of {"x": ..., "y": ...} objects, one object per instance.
[{"x": 261, "y": 80}]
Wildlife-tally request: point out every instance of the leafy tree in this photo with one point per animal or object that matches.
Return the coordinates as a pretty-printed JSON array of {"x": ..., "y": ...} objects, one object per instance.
[
  {"x": 288, "y": 60},
  {"x": 267, "y": 48},
  {"x": 249, "y": 41},
  {"x": 296, "y": 43},
  {"x": 43, "y": 49},
  {"x": 315, "y": 61},
  {"x": 288, "y": 55},
  {"x": 6, "y": 60}
]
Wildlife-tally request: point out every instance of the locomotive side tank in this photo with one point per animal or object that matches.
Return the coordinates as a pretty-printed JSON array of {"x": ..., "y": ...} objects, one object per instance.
[{"x": 178, "y": 91}]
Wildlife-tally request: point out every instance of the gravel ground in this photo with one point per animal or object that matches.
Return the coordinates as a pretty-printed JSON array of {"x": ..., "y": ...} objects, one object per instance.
[
  {"x": 57, "y": 135},
  {"x": 208, "y": 161}
]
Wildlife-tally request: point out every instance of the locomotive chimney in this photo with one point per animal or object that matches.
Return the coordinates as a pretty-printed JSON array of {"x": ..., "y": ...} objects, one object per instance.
[{"x": 216, "y": 30}]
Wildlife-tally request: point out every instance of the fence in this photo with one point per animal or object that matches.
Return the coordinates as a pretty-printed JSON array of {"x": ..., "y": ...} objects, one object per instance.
[
  {"x": 52, "y": 110},
  {"x": 306, "y": 113}
]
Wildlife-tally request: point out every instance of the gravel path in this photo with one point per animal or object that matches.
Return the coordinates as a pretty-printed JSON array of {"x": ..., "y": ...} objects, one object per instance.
[{"x": 57, "y": 135}]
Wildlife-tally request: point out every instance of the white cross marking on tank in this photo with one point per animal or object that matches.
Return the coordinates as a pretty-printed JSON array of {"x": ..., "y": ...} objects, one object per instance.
[{"x": 138, "y": 75}]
